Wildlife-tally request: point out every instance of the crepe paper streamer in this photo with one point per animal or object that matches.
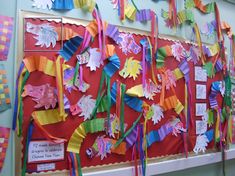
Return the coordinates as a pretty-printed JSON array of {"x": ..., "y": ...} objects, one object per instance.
[
  {"x": 43, "y": 4},
  {"x": 174, "y": 126},
  {"x": 218, "y": 66},
  {"x": 143, "y": 15},
  {"x": 209, "y": 69},
  {"x": 40, "y": 63},
  {"x": 46, "y": 35},
  {"x": 112, "y": 31},
  {"x": 63, "y": 5},
  {"x": 209, "y": 28},
  {"x": 92, "y": 28},
  {"x": 220, "y": 36},
  {"x": 128, "y": 132},
  {"x": 65, "y": 34},
  {"x": 161, "y": 54},
  {"x": 46, "y": 134},
  {"x": 90, "y": 126},
  {"x": 110, "y": 50},
  {"x": 121, "y": 9},
  {"x": 102, "y": 146},
  {"x": 210, "y": 117},
  {"x": 122, "y": 121},
  {"x": 211, "y": 50},
  {"x": 18, "y": 98},
  {"x": 113, "y": 66},
  {"x": 198, "y": 38},
  {"x": 183, "y": 16},
  {"x": 6, "y": 30},
  {"x": 44, "y": 95},
  {"x": 47, "y": 117},
  {"x": 59, "y": 85},
  {"x": 172, "y": 13},
  {"x": 178, "y": 74},
  {"x": 70, "y": 47},
  {"x": 130, "y": 12},
  {"x": 5, "y": 101},
  {"x": 4, "y": 136},
  {"x": 28, "y": 139},
  {"x": 228, "y": 89},
  {"x": 74, "y": 164},
  {"x": 208, "y": 8},
  {"x": 225, "y": 26},
  {"x": 88, "y": 5},
  {"x": 131, "y": 68},
  {"x": 131, "y": 138},
  {"x": 215, "y": 89}
]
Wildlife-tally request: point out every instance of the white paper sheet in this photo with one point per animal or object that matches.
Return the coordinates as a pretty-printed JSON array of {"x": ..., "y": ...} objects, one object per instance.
[
  {"x": 200, "y": 109},
  {"x": 40, "y": 151},
  {"x": 200, "y": 74},
  {"x": 201, "y": 127},
  {"x": 200, "y": 92}
]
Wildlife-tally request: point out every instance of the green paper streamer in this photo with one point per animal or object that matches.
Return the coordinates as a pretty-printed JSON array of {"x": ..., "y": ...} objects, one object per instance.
[
  {"x": 103, "y": 104},
  {"x": 123, "y": 89},
  {"x": 79, "y": 164},
  {"x": 75, "y": 73},
  {"x": 26, "y": 76},
  {"x": 128, "y": 132},
  {"x": 161, "y": 54},
  {"x": 210, "y": 117},
  {"x": 228, "y": 89},
  {"x": 95, "y": 125},
  {"x": 209, "y": 69}
]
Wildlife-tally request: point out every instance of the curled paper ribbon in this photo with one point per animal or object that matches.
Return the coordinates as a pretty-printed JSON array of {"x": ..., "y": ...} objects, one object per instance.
[
  {"x": 113, "y": 66},
  {"x": 63, "y": 5},
  {"x": 70, "y": 47},
  {"x": 79, "y": 134}
]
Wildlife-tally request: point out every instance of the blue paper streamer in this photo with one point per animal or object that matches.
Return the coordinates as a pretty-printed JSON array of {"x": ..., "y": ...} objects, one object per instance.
[
  {"x": 112, "y": 66},
  {"x": 133, "y": 102},
  {"x": 63, "y": 5},
  {"x": 70, "y": 47},
  {"x": 210, "y": 135}
]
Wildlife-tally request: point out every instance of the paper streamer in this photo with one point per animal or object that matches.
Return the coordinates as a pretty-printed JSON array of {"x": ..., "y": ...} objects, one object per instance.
[
  {"x": 70, "y": 47},
  {"x": 63, "y": 5},
  {"x": 113, "y": 66}
]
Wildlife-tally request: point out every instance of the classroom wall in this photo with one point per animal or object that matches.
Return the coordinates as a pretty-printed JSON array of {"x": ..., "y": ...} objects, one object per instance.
[{"x": 12, "y": 7}]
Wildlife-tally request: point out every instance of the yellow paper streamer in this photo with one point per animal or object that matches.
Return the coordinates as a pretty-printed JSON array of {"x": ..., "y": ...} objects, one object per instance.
[
  {"x": 179, "y": 107},
  {"x": 46, "y": 117},
  {"x": 59, "y": 85},
  {"x": 130, "y": 12},
  {"x": 85, "y": 4},
  {"x": 136, "y": 91},
  {"x": 178, "y": 74}
]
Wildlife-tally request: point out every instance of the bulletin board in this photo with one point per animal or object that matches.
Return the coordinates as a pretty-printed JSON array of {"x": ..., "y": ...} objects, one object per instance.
[{"x": 169, "y": 146}]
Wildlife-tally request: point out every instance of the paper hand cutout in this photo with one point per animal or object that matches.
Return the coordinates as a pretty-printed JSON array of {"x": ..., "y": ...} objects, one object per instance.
[
  {"x": 151, "y": 89},
  {"x": 157, "y": 113},
  {"x": 177, "y": 126},
  {"x": 86, "y": 104},
  {"x": 83, "y": 58},
  {"x": 46, "y": 34},
  {"x": 201, "y": 144},
  {"x": 95, "y": 59},
  {"x": 193, "y": 54},
  {"x": 131, "y": 68},
  {"x": 68, "y": 81},
  {"x": 178, "y": 51},
  {"x": 127, "y": 43},
  {"x": 44, "y": 95},
  {"x": 170, "y": 79},
  {"x": 43, "y": 4}
]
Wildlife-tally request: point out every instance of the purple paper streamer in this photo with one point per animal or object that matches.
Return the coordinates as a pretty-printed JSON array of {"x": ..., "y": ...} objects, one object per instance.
[
  {"x": 143, "y": 15},
  {"x": 184, "y": 67},
  {"x": 113, "y": 32},
  {"x": 131, "y": 138},
  {"x": 218, "y": 66}
]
